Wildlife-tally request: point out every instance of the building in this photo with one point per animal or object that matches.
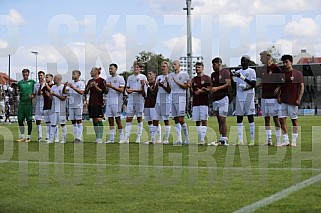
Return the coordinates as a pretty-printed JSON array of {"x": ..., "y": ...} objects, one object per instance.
[{"x": 184, "y": 65}]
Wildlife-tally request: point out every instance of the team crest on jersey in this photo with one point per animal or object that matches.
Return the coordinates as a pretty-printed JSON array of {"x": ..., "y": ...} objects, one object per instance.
[
  {"x": 179, "y": 78},
  {"x": 137, "y": 79},
  {"x": 292, "y": 78},
  {"x": 115, "y": 81},
  {"x": 270, "y": 72},
  {"x": 219, "y": 77},
  {"x": 247, "y": 75},
  {"x": 202, "y": 82},
  {"x": 282, "y": 79},
  {"x": 213, "y": 79}
]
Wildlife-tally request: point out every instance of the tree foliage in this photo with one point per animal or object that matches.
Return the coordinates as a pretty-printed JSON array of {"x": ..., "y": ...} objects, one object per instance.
[{"x": 151, "y": 61}]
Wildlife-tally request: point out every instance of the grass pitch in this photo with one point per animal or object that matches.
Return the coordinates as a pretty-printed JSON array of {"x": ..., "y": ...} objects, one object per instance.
[{"x": 88, "y": 177}]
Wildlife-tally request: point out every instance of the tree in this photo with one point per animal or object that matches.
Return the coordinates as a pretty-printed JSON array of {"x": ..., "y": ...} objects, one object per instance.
[
  {"x": 151, "y": 61},
  {"x": 275, "y": 54}
]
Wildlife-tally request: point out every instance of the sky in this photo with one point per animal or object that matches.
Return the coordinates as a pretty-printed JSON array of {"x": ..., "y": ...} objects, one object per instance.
[{"x": 81, "y": 34}]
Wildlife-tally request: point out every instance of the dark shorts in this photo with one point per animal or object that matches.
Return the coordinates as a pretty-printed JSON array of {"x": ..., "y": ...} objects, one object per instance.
[
  {"x": 95, "y": 111},
  {"x": 24, "y": 112}
]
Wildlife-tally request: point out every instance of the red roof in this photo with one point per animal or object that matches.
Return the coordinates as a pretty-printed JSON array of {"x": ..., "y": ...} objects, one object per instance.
[
  {"x": 309, "y": 60},
  {"x": 4, "y": 79}
]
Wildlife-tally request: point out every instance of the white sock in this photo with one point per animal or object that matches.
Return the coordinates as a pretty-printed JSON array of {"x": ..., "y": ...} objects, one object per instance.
[
  {"x": 23, "y": 135},
  {"x": 80, "y": 129},
  {"x": 268, "y": 133},
  {"x": 294, "y": 137},
  {"x": 64, "y": 132},
  {"x": 285, "y": 137},
  {"x": 278, "y": 135},
  {"x": 178, "y": 129},
  {"x": 159, "y": 132},
  {"x": 203, "y": 132},
  {"x": 252, "y": 131},
  {"x": 29, "y": 136},
  {"x": 240, "y": 131},
  {"x": 139, "y": 130},
  {"x": 121, "y": 134},
  {"x": 75, "y": 128},
  {"x": 128, "y": 128},
  {"x": 57, "y": 133},
  {"x": 224, "y": 139},
  {"x": 153, "y": 130},
  {"x": 39, "y": 130},
  {"x": 185, "y": 130},
  {"x": 53, "y": 130},
  {"x": 167, "y": 132},
  {"x": 112, "y": 133},
  {"x": 198, "y": 130},
  {"x": 149, "y": 129},
  {"x": 48, "y": 130}
]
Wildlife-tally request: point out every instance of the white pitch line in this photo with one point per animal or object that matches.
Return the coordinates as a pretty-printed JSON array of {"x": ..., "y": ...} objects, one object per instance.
[
  {"x": 166, "y": 167},
  {"x": 279, "y": 195}
]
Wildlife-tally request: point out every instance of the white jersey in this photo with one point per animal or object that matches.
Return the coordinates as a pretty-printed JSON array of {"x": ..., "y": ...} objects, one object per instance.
[
  {"x": 242, "y": 95},
  {"x": 162, "y": 95},
  {"x": 76, "y": 99},
  {"x": 133, "y": 82},
  {"x": 39, "y": 98},
  {"x": 178, "y": 94},
  {"x": 58, "y": 105},
  {"x": 113, "y": 97}
]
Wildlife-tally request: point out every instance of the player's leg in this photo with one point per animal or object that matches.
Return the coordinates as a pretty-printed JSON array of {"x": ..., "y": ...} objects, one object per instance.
[
  {"x": 293, "y": 111},
  {"x": 178, "y": 126},
  {"x": 130, "y": 112},
  {"x": 283, "y": 113},
  {"x": 53, "y": 116},
  {"x": 21, "y": 118},
  {"x": 252, "y": 129},
  {"x": 203, "y": 118},
  {"x": 28, "y": 111},
  {"x": 47, "y": 122},
  {"x": 139, "y": 114},
  {"x": 111, "y": 121},
  {"x": 62, "y": 121}
]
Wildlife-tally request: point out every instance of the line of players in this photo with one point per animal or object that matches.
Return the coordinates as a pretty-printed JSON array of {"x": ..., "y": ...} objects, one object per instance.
[{"x": 159, "y": 97}]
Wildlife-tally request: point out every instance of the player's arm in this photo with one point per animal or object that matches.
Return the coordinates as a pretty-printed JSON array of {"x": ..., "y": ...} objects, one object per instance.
[
  {"x": 79, "y": 91},
  {"x": 65, "y": 90},
  {"x": 61, "y": 97},
  {"x": 119, "y": 89},
  {"x": 301, "y": 91},
  {"x": 167, "y": 88},
  {"x": 183, "y": 85},
  {"x": 252, "y": 83},
  {"x": 225, "y": 86}
]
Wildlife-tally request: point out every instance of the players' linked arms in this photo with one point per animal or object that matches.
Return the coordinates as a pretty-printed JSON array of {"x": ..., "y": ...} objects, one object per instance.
[
  {"x": 65, "y": 90},
  {"x": 61, "y": 97}
]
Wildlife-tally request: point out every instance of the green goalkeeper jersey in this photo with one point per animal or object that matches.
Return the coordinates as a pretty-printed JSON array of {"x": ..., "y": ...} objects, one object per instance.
[{"x": 25, "y": 90}]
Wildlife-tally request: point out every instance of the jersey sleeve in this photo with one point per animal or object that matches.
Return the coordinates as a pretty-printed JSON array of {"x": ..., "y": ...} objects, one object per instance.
[
  {"x": 253, "y": 75},
  {"x": 122, "y": 81}
]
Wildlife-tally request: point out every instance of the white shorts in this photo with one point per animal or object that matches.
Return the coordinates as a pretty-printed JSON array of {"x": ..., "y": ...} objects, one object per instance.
[
  {"x": 163, "y": 111},
  {"x": 246, "y": 107},
  {"x": 286, "y": 110},
  {"x": 75, "y": 114},
  {"x": 178, "y": 109},
  {"x": 269, "y": 107},
  {"x": 221, "y": 106},
  {"x": 150, "y": 114},
  {"x": 46, "y": 115},
  {"x": 200, "y": 113},
  {"x": 135, "y": 109},
  {"x": 56, "y": 118},
  {"x": 113, "y": 110},
  {"x": 38, "y": 113}
]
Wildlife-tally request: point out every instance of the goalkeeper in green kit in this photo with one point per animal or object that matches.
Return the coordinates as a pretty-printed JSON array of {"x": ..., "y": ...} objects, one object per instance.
[{"x": 25, "y": 87}]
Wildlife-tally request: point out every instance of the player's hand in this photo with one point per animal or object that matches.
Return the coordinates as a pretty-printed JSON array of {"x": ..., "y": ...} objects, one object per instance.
[
  {"x": 174, "y": 79},
  {"x": 277, "y": 90},
  {"x": 198, "y": 91},
  {"x": 279, "y": 100},
  {"x": 297, "y": 102},
  {"x": 129, "y": 91},
  {"x": 214, "y": 89},
  {"x": 166, "y": 78},
  {"x": 31, "y": 96},
  {"x": 108, "y": 84},
  {"x": 243, "y": 86},
  {"x": 239, "y": 75},
  {"x": 142, "y": 82}
]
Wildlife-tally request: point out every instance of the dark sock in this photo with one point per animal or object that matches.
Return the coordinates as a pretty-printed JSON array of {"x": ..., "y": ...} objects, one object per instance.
[{"x": 29, "y": 127}]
